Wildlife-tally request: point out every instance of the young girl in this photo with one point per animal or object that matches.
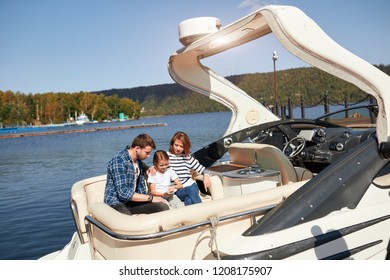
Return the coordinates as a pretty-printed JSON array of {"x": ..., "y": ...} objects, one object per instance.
[
  {"x": 160, "y": 181},
  {"x": 182, "y": 163}
]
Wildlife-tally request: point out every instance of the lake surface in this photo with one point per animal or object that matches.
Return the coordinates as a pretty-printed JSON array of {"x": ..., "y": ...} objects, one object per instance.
[{"x": 37, "y": 173}]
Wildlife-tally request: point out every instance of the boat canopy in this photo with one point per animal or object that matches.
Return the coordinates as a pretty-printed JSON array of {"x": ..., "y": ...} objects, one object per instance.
[{"x": 301, "y": 36}]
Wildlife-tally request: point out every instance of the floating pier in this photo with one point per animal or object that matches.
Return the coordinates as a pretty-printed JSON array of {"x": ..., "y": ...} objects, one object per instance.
[{"x": 68, "y": 131}]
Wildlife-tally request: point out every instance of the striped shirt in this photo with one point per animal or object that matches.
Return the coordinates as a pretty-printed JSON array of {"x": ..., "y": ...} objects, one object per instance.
[
  {"x": 122, "y": 181},
  {"x": 183, "y": 165}
]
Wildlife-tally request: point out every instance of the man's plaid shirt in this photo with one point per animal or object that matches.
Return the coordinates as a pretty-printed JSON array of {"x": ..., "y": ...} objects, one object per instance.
[{"x": 121, "y": 179}]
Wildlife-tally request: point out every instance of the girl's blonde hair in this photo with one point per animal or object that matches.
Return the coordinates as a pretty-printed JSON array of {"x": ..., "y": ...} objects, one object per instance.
[{"x": 181, "y": 136}]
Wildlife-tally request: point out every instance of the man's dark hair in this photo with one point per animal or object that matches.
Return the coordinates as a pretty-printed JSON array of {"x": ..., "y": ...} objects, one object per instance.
[{"x": 143, "y": 140}]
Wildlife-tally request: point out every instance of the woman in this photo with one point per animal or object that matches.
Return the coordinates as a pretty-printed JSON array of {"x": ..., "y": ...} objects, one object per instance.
[{"x": 182, "y": 163}]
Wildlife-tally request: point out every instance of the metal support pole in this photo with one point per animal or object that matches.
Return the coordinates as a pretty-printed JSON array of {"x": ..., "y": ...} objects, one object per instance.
[{"x": 275, "y": 57}]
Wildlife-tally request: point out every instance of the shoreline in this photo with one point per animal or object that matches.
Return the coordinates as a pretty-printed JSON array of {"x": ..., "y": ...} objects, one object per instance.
[{"x": 28, "y": 134}]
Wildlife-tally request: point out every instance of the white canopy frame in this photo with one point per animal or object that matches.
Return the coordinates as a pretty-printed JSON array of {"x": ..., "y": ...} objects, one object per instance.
[{"x": 298, "y": 34}]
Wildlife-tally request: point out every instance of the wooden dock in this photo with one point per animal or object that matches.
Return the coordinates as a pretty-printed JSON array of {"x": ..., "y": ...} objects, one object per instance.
[{"x": 69, "y": 131}]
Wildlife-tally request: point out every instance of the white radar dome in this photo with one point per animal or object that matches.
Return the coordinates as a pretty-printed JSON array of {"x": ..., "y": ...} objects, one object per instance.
[{"x": 193, "y": 29}]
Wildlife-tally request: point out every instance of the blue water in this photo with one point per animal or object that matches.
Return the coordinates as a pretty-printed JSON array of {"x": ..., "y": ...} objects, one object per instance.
[{"x": 36, "y": 175}]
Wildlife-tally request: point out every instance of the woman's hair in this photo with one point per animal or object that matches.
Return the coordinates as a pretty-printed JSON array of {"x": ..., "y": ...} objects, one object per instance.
[
  {"x": 143, "y": 140},
  {"x": 159, "y": 155},
  {"x": 180, "y": 135}
]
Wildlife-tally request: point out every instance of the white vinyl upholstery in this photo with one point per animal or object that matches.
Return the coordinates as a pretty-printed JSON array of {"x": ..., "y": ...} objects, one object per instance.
[{"x": 270, "y": 157}]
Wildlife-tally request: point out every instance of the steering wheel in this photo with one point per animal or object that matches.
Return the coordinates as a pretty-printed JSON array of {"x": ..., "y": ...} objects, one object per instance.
[
  {"x": 261, "y": 136},
  {"x": 294, "y": 147}
]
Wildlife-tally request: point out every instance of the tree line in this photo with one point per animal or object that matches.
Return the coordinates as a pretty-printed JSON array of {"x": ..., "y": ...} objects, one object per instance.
[
  {"x": 55, "y": 108},
  {"x": 307, "y": 83}
]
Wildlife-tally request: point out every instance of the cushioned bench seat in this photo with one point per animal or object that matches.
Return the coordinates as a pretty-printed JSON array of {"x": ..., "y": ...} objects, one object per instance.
[{"x": 167, "y": 220}]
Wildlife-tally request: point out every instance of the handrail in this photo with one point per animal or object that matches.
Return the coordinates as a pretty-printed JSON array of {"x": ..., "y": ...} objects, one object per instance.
[
  {"x": 75, "y": 215},
  {"x": 91, "y": 221}
]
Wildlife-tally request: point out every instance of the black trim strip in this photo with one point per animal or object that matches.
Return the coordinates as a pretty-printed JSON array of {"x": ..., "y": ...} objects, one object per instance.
[
  {"x": 310, "y": 243},
  {"x": 348, "y": 253}
]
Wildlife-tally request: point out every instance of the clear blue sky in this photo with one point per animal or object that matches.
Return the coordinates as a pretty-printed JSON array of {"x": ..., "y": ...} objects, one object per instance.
[{"x": 88, "y": 45}]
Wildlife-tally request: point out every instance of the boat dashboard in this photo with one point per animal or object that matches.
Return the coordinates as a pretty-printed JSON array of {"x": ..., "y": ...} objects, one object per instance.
[
  {"x": 316, "y": 147},
  {"x": 327, "y": 145},
  {"x": 312, "y": 144}
]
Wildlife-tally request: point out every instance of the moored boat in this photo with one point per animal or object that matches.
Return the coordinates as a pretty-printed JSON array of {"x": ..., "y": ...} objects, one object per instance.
[{"x": 82, "y": 119}]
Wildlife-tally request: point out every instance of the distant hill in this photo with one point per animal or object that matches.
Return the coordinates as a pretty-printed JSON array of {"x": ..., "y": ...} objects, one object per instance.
[
  {"x": 166, "y": 99},
  {"x": 308, "y": 82},
  {"x": 140, "y": 94}
]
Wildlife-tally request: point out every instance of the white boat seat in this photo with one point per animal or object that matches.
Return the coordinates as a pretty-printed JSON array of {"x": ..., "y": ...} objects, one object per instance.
[
  {"x": 89, "y": 191},
  {"x": 84, "y": 193},
  {"x": 192, "y": 214},
  {"x": 270, "y": 157},
  {"x": 138, "y": 230}
]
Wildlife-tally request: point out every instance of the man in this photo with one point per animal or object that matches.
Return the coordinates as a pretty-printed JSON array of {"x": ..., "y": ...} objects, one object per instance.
[{"x": 126, "y": 189}]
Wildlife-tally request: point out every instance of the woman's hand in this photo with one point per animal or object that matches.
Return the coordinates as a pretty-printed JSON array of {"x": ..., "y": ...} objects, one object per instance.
[
  {"x": 206, "y": 181},
  {"x": 152, "y": 170}
]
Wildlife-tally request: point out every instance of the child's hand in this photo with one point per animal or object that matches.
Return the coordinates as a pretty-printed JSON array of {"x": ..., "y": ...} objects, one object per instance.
[
  {"x": 159, "y": 199},
  {"x": 167, "y": 195}
]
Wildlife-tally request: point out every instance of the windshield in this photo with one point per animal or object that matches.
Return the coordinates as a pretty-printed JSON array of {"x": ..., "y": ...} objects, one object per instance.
[{"x": 363, "y": 116}]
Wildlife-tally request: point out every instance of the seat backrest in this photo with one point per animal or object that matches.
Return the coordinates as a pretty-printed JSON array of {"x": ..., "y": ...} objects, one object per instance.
[
  {"x": 242, "y": 154},
  {"x": 270, "y": 157},
  {"x": 266, "y": 157},
  {"x": 84, "y": 193}
]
